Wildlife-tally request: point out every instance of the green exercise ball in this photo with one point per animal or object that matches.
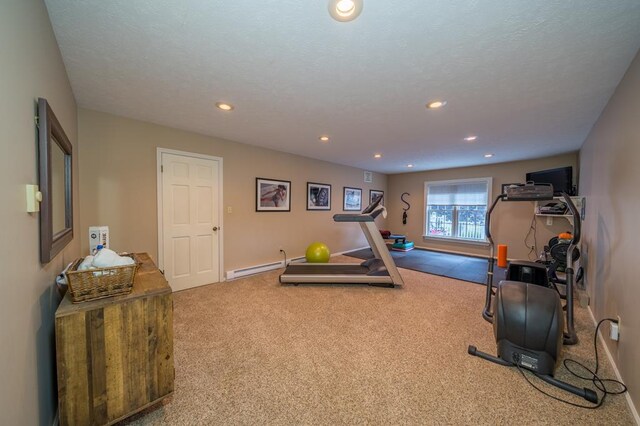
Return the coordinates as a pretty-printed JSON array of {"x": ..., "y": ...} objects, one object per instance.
[{"x": 317, "y": 253}]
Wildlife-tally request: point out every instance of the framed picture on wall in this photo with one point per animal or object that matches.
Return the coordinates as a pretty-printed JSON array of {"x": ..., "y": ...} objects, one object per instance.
[
  {"x": 373, "y": 194},
  {"x": 318, "y": 196},
  {"x": 352, "y": 199},
  {"x": 273, "y": 195}
]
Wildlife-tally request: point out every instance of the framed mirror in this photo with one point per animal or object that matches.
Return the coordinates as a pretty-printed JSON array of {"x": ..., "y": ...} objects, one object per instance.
[{"x": 54, "y": 175}]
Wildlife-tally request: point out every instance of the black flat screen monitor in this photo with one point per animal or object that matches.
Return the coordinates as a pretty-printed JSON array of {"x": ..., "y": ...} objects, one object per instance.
[{"x": 561, "y": 179}]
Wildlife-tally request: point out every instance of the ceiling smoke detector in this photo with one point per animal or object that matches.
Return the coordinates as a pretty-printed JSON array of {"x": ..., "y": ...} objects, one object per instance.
[{"x": 345, "y": 10}]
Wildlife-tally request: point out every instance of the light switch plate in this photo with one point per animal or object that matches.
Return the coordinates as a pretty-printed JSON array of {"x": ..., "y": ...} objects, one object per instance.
[{"x": 34, "y": 197}]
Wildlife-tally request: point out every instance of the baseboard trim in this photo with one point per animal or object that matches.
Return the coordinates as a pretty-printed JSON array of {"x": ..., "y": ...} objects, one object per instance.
[
  {"x": 253, "y": 270},
  {"x": 349, "y": 251},
  {"x": 461, "y": 253},
  {"x": 632, "y": 407}
]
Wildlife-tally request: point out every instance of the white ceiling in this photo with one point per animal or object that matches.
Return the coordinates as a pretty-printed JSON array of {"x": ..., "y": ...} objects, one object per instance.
[{"x": 528, "y": 77}]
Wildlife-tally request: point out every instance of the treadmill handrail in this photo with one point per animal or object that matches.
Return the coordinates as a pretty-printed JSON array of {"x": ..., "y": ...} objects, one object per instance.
[
  {"x": 358, "y": 217},
  {"x": 374, "y": 204},
  {"x": 346, "y": 217}
]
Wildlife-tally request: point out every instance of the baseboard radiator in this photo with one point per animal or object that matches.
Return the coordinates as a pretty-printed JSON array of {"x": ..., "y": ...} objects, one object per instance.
[{"x": 257, "y": 269}]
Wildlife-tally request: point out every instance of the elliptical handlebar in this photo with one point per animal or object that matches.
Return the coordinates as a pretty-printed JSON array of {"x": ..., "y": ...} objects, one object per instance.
[
  {"x": 571, "y": 337},
  {"x": 487, "y": 222},
  {"x": 486, "y": 312},
  {"x": 576, "y": 217}
]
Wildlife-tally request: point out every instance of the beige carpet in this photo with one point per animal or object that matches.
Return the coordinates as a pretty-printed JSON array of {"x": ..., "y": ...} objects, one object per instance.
[{"x": 252, "y": 351}]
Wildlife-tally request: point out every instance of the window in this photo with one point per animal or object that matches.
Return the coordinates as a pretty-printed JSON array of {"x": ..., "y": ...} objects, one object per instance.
[{"x": 456, "y": 209}]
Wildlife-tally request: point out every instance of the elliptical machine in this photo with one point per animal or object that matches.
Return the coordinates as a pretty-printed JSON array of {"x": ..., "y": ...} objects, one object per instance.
[{"x": 529, "y": 321}]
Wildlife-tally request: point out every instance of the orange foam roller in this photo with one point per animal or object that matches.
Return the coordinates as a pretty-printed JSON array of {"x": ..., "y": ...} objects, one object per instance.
[{"x": 502, "y": 255}]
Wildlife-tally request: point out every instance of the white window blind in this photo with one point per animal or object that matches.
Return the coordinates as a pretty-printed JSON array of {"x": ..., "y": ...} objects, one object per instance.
[
  {"x": 456, "y": 209},
  {"x": 458, "y": 194}
]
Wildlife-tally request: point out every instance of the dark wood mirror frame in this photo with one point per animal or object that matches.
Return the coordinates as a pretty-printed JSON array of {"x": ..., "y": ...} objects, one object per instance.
[{"x": 50, "y": 132}]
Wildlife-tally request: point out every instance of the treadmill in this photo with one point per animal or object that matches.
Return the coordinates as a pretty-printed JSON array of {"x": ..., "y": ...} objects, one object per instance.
[{"x": 379, "y": 271}]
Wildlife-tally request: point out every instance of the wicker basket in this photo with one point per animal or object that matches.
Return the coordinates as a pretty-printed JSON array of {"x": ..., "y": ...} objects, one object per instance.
[{"x": 98, "y": 283}]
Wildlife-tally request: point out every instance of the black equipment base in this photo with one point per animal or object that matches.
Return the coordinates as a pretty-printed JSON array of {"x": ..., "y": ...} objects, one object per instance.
[{"x": 585, "y": 393}]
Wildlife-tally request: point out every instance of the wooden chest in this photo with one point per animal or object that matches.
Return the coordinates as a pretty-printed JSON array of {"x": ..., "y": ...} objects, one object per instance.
[{"x": 115, "y": 355}]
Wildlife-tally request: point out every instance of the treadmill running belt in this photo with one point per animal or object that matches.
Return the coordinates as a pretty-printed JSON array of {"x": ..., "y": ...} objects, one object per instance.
[{"x": 324, "y": 269}]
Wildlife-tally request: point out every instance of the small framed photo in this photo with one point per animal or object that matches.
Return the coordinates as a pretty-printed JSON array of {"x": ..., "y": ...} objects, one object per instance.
[
  {"x": 273, "y": 195},
  {"x": 318, "y": 196},
  {"x": 352, "y": 199},
  {"x": 373, "y": 194}
]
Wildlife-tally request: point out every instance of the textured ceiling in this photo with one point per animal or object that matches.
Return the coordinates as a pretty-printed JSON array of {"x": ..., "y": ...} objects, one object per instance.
[{"x": 528, "y": 77}]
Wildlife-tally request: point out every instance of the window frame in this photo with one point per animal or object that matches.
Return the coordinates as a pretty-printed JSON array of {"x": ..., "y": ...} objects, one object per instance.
[{"x": 425, "y": 225}]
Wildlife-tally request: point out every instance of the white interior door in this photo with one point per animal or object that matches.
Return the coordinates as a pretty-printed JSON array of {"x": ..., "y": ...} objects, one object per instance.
[{"x": 190, "y": 220}]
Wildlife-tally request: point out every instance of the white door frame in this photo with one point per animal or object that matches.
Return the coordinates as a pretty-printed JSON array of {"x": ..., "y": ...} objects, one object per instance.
[{"x": 159, "y": 152}]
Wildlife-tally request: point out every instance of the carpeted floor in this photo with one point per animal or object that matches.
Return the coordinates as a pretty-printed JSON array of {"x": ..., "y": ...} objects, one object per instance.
[
  {"x": 457, "y": 266},
  {"x": 252, "y": 351}
]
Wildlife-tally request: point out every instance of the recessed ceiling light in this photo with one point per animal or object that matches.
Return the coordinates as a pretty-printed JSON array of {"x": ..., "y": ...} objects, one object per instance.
[
  {"x": 224, "y": 106},
  {"x": 345, "y": 10},
  {"x": 377, "y": 156},
  {"x": 470, "y": 138},
  {"x": 488, "y": 155},
  {"x": 409, "y": 165},
  {"x": 436, "y": 104},
  {"x": 324, "y": 138},
  {"x": 345, "y": 7}
]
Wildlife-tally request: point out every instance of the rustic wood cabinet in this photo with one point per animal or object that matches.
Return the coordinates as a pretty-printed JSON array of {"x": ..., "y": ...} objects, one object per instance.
[{"x": 115, "y": 355}]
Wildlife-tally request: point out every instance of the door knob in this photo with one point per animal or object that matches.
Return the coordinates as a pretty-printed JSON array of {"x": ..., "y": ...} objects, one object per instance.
[{"x": 215, "y": 228}]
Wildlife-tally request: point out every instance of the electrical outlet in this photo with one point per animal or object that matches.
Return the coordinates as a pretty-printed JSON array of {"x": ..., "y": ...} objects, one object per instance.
[{"x": 614, "y": 330}]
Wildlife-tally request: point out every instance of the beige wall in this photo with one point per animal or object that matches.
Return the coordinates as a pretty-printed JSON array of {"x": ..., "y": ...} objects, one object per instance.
[
  {"x": 510, "y": 222},
  {"x": 118, "y": 189},
  {"x": 31, "y": 67},
  {"x": 610, "y": 179}
]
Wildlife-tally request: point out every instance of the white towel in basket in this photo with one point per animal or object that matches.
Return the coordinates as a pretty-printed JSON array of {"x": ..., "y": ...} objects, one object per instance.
[{"x": 106, "y": 258}]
